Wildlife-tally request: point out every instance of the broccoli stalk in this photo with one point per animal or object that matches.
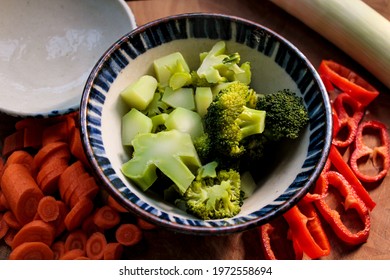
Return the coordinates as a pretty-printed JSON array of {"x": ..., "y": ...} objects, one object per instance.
[
  {"x": 172, "y": 152},
  {"x": 217, "y": 67},
  {"x": 214, "y": 194}
]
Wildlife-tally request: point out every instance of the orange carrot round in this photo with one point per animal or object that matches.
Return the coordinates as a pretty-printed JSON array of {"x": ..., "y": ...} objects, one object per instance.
[
  {"x": 59, "y": 223},
  {"x": 58, "y": 248},
  {"x": 31, "y": 251},
  {"x": 145, "y": 225},
  {"x": 113, "y": 251},
  {"x": 3, "y": 202},
  {"x": 59, "y": 149},
  {"x": 11, "y": 220},
  {"x": 3, "y": 227},
  {"x": 9, "y": 236},
  {"x": 78, "y": 213},
  {"x": 21, "y": 192},
  {"x": 36, "y": 230},
  {"x": 48, "y": 209},
  {"x": 106, "y": 217},
  {"x": 95, "y": 246},
  {"x": 115, "y": 204},
  {"x": 73, "y": 254},
  {"x": 76, "y": 239},
  {"x": 128, "y": 234},
  {"x": 22, "y": 157}
]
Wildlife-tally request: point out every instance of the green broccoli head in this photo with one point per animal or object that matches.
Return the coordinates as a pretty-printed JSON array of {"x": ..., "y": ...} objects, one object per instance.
[
  {"x": 229, "y": 120},
  {"x": 286, "y": 114},
  {"x": 216, "y": 197}
]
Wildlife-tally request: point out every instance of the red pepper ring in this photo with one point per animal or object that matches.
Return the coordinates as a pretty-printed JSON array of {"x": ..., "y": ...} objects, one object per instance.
[
  {"x": 276, "y": 241},
  {"x": 349, "y": 114},
  {"x": 351, "y": 201},
  {"x": 363, "y": 151},
  {"x": 307, "y": 230},
  {"x": 348, "y": 81}
]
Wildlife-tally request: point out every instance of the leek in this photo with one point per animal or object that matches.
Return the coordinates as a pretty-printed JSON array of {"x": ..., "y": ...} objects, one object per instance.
[{"x": 353, "y": 26}]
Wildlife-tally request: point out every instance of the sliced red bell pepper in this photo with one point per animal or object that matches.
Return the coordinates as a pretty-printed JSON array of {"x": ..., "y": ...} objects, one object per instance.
[
  {"x": 348, "y": 81},
  {"x": 343, "y": 168},
  {"x": 276, "y": 241},
  {"x": 379, "y": 154},
  {"x": 307, "y": 230},
  {"x": 349, "y": 113},
  {"x": 351, "y": 201}
]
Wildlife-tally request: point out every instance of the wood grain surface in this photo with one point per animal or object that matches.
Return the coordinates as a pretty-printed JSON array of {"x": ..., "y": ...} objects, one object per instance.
[{"x": 162, "y": 244}]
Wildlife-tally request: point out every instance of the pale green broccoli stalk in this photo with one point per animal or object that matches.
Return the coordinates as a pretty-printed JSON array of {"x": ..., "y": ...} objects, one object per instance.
[
  {"x": 165, "y": 67},
  {"x": 217, "y": 196},
  {"x": 140, "y": 93},
  {"x": 172, "y": 152},
  {"x": 217, "y": 66},
  {"x": 228, "y": 121}
]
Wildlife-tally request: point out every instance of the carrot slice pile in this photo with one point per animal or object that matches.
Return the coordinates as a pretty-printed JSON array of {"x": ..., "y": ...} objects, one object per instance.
[{"x": 51, "y": 206}]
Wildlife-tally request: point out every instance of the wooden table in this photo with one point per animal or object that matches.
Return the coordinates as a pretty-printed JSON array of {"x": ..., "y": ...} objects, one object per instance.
[{"x": 168, "y": 245}]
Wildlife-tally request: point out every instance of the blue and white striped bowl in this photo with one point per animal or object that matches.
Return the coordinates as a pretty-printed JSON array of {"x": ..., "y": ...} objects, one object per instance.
[{"x": 276, "y": 64}]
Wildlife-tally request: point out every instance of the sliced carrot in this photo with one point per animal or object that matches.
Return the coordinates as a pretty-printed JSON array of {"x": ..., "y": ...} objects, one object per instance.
[
  {"x": 59, "y": 223},
  {"x": 4, "y": 227},
  {"x": 73, "y": 254},
  {"x": 78, "y": 213},
  {"x": 76, "y": 147},
  {"x": 86, "y": 187},
  {"x": 33, "y": 136},
  {"x": 89, "y": 226},
  {"x": 59, "y": 149},
  {"x": 13, "y": 142},
  {"x": 96, "y": 245},
  {"x": 21, "y": 192},
  {"x": 49, "y": 175},
  {"x": 56, "y": 132},
  {"x": 76, "y": 239},
  {"x": 11, "y": 220},
  {"x": 31, "y": 251},
  {"x": 58, "y": 248},
  {"x": 145, "y": 225},
  {"x": 106, "y": 217},
  {"x": 3, "y": 202},
  {"x": 21, "y": 157},
  {"x": 113, "y": 251},
  {"x": 81, "y": 258},
  {"x": 128, "y": 234},
  {"x": 115, "y": 204},
  {"x": 9, "y": 236},
  {"x": 48, "y": 209},
  {"x": 36, "y": 230},
  {"x": 68, "y": 176}
]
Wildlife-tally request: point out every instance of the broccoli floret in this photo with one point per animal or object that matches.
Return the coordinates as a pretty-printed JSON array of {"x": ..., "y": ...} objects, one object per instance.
[
  {"x": 172, "y": 152},
  {"x": 229, "y": 120},
  {"x": 157, "y": 106},
  {"x": 286, "y": 114},
  {"x": 217, "y": 195}
]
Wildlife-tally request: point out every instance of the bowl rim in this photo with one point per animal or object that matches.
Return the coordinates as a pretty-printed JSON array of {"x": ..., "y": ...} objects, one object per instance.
[{"x": 195, "y": 229}]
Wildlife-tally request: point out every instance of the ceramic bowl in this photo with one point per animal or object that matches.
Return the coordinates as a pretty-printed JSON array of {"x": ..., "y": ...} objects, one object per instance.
[
  {"x": 276, "y": 64},
  {"x": 48, "y": 49}
]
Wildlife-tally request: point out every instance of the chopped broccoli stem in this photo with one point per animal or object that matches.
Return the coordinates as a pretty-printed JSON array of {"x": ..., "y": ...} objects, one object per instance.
[
  {"x": 185, "y": 121},
  {"x": 179, "y": 80},
  {"x": 158, "y": 122},
  {"x": 167, "y": 65},
  {"x": 203, "y": 99},
  {"x": 140, "y": 93},
  {"x": 172, "y": 152},
  {"x": 182, "y": 97},
  {"x": 244, "y": 77},
  {"x": 134, "y": 123}
]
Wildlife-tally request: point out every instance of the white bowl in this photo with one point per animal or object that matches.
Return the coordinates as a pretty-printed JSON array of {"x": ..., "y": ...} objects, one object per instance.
[
  {"x": 48, "y": 48},
  {"x": 275, "y": 64}
]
